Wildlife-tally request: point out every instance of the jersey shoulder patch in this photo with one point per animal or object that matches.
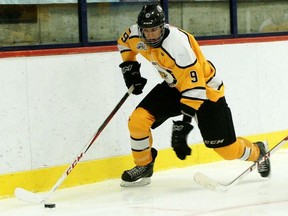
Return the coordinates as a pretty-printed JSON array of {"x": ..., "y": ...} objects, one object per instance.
[{"x": 138, "y": 44}]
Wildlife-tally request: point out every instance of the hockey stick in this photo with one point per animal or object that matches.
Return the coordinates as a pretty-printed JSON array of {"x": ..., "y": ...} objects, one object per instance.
[
  {"x": 212, "y": 184},
  {"x": 31, "y": 197}
]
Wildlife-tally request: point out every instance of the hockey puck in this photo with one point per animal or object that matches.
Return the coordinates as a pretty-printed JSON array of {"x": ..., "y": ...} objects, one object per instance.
[{"x": 49, "y": 205}]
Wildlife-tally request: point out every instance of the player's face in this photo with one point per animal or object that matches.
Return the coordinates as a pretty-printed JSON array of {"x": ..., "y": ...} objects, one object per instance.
[{"x": 152, "y": 34}]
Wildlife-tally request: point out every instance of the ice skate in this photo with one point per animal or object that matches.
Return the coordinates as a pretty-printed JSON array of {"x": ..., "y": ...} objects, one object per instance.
[
  {"x": 263, "y": 164},
  {"x": 139, "y": 175}
]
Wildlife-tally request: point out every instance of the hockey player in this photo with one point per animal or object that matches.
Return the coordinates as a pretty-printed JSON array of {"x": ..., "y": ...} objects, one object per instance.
[{"x": 191, "y": 88}]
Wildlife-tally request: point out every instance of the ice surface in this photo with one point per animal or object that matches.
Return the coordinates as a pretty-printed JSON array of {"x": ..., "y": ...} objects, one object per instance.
[{"x": 172, "y": 193}]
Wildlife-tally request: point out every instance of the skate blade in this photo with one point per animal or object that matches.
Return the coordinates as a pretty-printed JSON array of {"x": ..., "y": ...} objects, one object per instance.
[{"x": 141, "y": 182}]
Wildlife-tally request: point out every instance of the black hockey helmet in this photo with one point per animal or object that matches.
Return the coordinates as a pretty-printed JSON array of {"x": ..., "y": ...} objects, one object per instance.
[{"x": 150, "y": 16}]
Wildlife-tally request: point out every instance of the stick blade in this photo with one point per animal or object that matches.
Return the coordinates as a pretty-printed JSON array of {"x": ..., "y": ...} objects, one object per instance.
[
  {"x": 28, "y": 196},
  {"x": 208, "y": 183}
]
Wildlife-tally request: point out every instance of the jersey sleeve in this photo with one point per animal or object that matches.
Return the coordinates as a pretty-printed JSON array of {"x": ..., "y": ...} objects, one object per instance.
[
  {"x": 126, "y": 42},
  {"x": 196, "y": 77},
  {"x": 188, "y": 73}
]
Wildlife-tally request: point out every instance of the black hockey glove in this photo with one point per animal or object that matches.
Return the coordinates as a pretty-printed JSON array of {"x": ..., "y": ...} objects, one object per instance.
[
  {"x": 132, "y": 76},
  {"x": 180, "y": 131}
]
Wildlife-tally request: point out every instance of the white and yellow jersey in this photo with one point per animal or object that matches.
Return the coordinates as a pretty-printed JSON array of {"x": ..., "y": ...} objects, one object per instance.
[{"x": 180, "y": 63}]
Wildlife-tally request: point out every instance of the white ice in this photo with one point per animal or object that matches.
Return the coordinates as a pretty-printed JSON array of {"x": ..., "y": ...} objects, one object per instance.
[{"x": 172, "y": 193}]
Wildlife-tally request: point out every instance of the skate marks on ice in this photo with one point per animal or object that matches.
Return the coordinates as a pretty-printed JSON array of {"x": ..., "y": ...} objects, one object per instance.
[{"x": 172, "y": 193}]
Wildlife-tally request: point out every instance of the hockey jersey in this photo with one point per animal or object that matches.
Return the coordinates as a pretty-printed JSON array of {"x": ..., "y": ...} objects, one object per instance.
[{"x": 179, "y": 61}]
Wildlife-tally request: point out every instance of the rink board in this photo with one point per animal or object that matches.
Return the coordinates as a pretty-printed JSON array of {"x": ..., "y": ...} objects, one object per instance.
[{"x": 109, "y": 168}]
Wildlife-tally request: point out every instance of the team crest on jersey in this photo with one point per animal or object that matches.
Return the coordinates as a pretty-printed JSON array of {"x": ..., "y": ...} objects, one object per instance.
[
  {"x": 141, "y": 46},
  {"x": 165, "y": 74}
]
